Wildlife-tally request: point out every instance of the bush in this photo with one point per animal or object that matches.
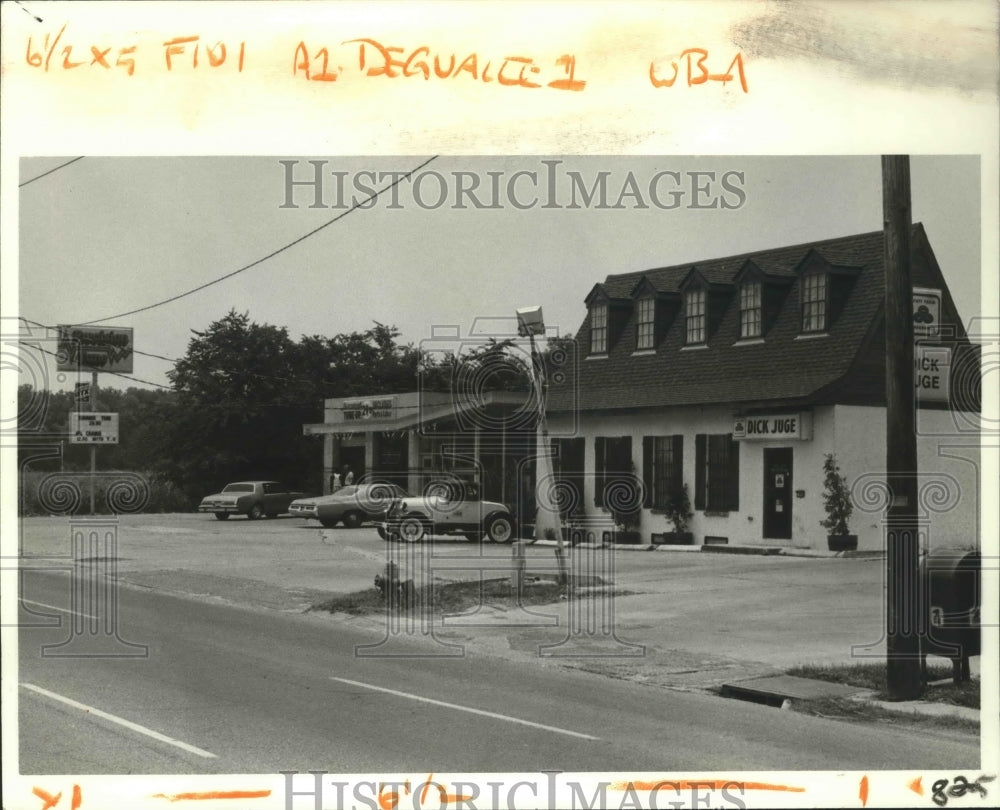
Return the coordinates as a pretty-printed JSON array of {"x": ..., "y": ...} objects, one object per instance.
[{"x": 115, "y": 492}]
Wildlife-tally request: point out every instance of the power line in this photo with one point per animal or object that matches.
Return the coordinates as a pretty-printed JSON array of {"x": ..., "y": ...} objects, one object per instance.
[
  {"x": 134, "y": 350},
  {"x": 115, "y": 373},
  {"x": 50, "y": 171},
  {"x": 245, "y": 373},
  {"x": 270, "y": 255}
]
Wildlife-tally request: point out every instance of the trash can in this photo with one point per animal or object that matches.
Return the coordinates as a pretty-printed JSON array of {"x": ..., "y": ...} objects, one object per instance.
[{"x": 950, "y": 586}]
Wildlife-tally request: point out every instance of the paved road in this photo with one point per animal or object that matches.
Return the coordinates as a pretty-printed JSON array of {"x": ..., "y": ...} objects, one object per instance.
[{"x": 229, "y": 689}]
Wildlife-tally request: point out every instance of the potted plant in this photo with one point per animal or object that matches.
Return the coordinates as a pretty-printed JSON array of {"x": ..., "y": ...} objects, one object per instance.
[
  {"x": 837, "y": 502},
  {"x": 627, "y": 527},
  {"x": 678, "y": 511}
]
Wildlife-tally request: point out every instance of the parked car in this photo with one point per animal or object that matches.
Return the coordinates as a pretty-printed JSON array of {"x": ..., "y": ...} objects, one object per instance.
[
  {"x": 449, "y": 508},
  {"x": 350, "y": 505},
  {"x": 255, "y": 499}
]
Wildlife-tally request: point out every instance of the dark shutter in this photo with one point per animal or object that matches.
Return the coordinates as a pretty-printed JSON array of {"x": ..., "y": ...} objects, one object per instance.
[
  {"x": 600, "y": 462},
  {"x": 648, "y": 451},
  {"x": 677, "y": 463},
  {"x": 734, "y": 475},
  {"x": 700, "y": 448}
]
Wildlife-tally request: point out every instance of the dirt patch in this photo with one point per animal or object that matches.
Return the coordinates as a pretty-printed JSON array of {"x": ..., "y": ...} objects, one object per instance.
[{"x": 451, "y": 598}]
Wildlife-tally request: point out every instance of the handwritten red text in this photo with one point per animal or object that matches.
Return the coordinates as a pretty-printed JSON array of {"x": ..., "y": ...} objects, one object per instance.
[
  {"x": 696, "y": 70},
  {"x": 393, "y": 62}
]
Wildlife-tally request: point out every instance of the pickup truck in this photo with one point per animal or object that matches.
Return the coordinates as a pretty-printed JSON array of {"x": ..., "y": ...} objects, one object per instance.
[{"x": 255, "y": 499}]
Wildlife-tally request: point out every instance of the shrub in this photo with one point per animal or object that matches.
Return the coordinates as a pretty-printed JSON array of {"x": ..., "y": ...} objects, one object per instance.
[
  {"x": 836, "y": 498},
  {"x": 115, "y": 492}
]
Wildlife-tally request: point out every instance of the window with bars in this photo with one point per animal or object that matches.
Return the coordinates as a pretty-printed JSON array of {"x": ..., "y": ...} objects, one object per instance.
[
  {"x": 750, "y": 309},
  {"x": 663, "y": 464},
  {"x": 717, "y": 472},
  {"x": 814, "y": 288},
  {"x": 612, "y": 463},
  {"x": 599, "y": 329},
  {"x": 694, "y": 313},
  {"x": 646, "y": 320}
]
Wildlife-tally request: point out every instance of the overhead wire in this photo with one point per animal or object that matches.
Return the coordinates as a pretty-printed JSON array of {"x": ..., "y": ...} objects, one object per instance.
[
  {"x": 396, "y": 181},
  {"x": 50, "y": 171}
]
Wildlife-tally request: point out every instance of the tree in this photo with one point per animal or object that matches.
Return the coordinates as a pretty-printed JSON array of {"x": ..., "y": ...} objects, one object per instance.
[
  {"x": 246, "y": 389},
  {"x": 495, "y": 365},
  {"x": 44, "y": 415},
  {"x": 240, "y": 408}
]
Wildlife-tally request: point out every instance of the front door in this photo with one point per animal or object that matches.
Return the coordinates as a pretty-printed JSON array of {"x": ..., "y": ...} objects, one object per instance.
[{"x": 778, "y": 493}]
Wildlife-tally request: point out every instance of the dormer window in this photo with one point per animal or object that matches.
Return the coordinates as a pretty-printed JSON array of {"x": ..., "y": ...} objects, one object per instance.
[
  {"x": 599, "y": 329},
  {"x": 694, "y": 316},
  {"x": 645, "y": 323},
  {"x": 750, "y": 309},
  {"x": 814, "y": 301}
]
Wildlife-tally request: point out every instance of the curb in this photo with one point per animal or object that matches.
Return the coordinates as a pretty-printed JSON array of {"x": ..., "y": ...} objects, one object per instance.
[
  {"x": 770, "y": 551},
  {"x": 922, "y": 707},
  {"x": 764, "y": 550}
]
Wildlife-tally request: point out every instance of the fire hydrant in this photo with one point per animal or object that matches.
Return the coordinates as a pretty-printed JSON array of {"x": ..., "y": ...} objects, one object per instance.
[{"x": 395, "y": 592}]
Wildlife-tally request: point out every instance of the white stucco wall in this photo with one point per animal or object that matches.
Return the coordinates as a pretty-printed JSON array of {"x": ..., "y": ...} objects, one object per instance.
[
  {"x": 946, "y": 455},
  {"x": 947, "y": 462}
]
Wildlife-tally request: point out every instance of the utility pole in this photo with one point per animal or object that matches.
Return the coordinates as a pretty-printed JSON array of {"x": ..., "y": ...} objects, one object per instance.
[
  {"x": 903, "y": 676},
  {"x": 93, "y": 447}
]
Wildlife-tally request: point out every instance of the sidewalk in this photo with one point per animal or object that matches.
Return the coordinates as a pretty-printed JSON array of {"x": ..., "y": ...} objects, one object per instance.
[{"x": 688, "y": 619}]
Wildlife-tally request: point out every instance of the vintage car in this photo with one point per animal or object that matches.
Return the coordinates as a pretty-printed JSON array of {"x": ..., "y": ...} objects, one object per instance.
[
  {"x": 350, "y": 505},
  {"x": 449, "y": 508},
  {"x": 255, "y": 499}
]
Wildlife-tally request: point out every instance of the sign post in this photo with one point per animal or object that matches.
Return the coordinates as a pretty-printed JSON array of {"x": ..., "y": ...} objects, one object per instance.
[{"x": 97, "y": 348}]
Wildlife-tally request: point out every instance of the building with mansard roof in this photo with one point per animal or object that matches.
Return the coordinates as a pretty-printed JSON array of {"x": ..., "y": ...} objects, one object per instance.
[{"x": 735, "y": 377}]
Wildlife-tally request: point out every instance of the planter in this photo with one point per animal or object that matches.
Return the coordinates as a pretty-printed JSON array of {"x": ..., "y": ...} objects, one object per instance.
[
  {"x": 622, "y": 537},
  {"x": 842, "y": 542},
  {"x": 674, "y": 539}
]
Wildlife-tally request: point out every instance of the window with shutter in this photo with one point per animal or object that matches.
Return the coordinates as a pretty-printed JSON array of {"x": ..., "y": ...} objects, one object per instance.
[
  {"x": 662, "y": 469},
  {"x": 717, "y": 487}
]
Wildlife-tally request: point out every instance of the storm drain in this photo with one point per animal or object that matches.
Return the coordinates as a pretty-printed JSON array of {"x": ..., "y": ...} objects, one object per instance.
[{"x": 774, "y": 690}]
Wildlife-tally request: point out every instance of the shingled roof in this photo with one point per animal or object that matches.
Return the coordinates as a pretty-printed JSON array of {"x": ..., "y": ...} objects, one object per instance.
[{"x": 843, "y": 365}]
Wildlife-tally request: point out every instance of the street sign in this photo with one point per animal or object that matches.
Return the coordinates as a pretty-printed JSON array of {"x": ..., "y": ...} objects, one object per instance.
[
  {"x": 93, "y": 428},
  {"x": 926, "y": 312}
]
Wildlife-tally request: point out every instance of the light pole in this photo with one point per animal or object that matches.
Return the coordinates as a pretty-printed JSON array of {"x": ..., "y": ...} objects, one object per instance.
[{"x": 530, "y": 322}]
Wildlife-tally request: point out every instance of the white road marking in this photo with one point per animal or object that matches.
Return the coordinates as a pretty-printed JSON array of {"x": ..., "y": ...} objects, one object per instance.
[
  {"x": 61, "y": 610},
  {"x": 468, "y": 709},
  {"x": 121, "y": 721}
]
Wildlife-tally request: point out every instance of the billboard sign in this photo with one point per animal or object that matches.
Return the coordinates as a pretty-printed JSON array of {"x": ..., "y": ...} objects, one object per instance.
[
  {"x": 93, "y": 428},
  {"x": 95, "y": 348}
]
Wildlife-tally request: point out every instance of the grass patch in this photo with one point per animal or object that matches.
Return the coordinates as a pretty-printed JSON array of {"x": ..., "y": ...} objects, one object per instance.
[
  {"x": 873, "y": 677},
  {"x": 460, "y": 597}
]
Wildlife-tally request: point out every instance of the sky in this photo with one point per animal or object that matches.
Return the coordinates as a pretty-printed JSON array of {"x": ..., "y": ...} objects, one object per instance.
[{"x": 103, "y": 236}]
